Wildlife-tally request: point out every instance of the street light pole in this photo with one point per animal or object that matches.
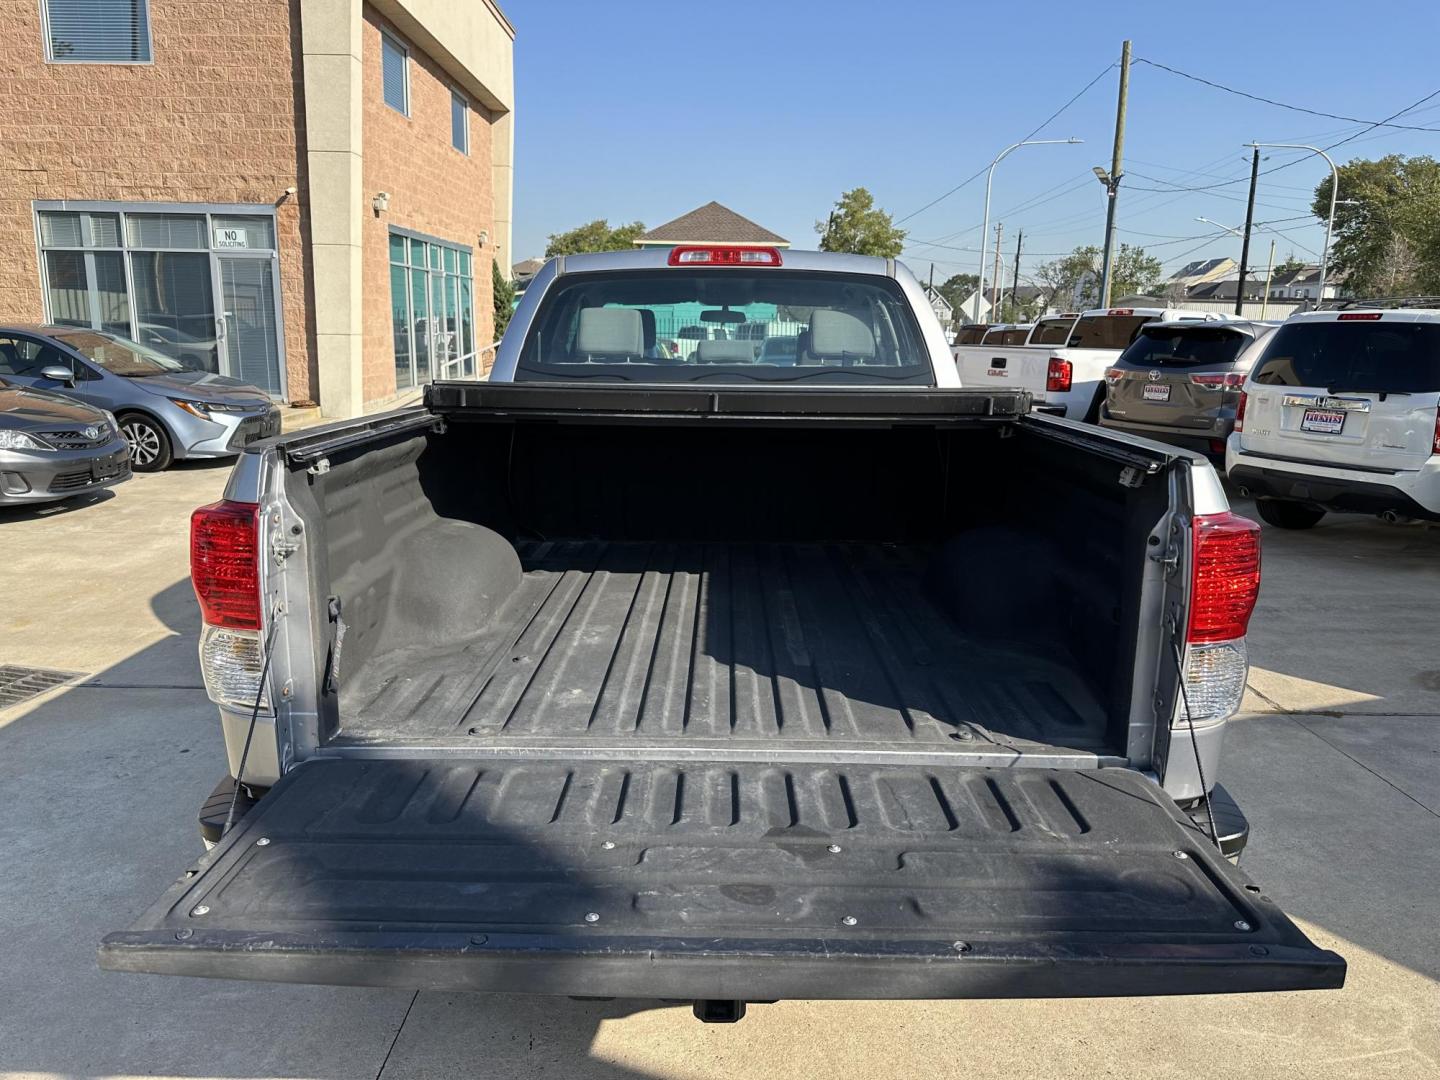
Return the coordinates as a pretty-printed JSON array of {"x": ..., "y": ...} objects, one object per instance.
[
  {"x": 985, "y": 227},
  {"x": 1334, "y": 192}
]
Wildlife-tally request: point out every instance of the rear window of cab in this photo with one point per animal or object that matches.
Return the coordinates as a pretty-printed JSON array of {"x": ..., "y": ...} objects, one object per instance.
[
  {"x": 1359, "y": 355},
  {"x": 712, "y": 325}
]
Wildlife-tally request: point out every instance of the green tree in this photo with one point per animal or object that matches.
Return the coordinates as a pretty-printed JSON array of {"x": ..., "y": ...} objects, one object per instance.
[
  {"x": 1290, "y": 262},
  {"x": 595, "y": 235},
  {"x": 1387, "y": 225},
  {"x": 1075, "y": 278},
  {"x": 504, "y": 292},
  {"x": 859, "y": 227}
]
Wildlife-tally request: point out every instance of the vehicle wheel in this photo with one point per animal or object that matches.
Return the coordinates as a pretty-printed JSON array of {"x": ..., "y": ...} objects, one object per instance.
[
  {"x": 1288, "y": 515},
  {"x": 149, "y": 444}
]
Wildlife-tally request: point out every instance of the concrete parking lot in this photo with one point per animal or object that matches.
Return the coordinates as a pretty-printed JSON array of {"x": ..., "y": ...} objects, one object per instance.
[{"x": 1336, "y": 759}]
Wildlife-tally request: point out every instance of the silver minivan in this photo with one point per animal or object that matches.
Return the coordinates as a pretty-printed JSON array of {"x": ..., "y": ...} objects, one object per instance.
[{"x": 1179, "y": 382}]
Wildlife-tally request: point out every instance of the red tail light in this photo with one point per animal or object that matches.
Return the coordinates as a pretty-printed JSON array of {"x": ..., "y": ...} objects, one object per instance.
[
  {"x": 1240, "y": 411},
  {"x": 1228, "y": 381},
  {"x": 1114, "y": 375},
  {"x": 225, "y": 563},
  {"x": 1359, "y": 316},
  {"x": 724, "y": 256},
  {"x": 1435, "y": 446},
  {"x": 1058, "y": 375},
  {"x": 1224, "y": 577}
]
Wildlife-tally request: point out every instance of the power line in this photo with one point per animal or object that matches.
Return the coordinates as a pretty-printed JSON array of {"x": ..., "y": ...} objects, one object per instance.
[
  {"x": 1039, "y": 128},
  {"x": 1280, "y": 104}
]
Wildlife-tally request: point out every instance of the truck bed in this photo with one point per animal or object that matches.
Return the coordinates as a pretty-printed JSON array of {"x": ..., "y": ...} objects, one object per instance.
[{"x": 732, "y": 645}]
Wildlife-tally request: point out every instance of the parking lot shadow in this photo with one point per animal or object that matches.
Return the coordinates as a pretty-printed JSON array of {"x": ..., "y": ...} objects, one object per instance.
[{"x": 100, "y": 785}]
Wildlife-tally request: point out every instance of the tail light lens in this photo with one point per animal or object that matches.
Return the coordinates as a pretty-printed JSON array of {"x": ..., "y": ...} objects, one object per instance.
[
  {"x": 1435, "y": 446},
  {"x": 1113, "y": 375},
  {"x": 1224, "y": 577},
  {"x": 225, "y": 564},
  {"x": 724, "y": 256},
  {"x": 1230, "y": 381},
  {"x": 1240, "y": 411},
  {"x": 1058, "y": 375}
]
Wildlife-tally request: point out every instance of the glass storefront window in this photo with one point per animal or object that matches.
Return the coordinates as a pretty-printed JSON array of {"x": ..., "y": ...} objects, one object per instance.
[
  {"x": 198, "y": 286},
  {"x": 432, "y": 310},
  {"x": 175, "y": 306},
  {"x": 69, "y": 288},
  {"x": 165, "y": 230}
]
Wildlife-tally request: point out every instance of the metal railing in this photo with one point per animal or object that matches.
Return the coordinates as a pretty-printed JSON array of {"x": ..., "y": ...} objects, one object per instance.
[{"x": 468, "y": 365}]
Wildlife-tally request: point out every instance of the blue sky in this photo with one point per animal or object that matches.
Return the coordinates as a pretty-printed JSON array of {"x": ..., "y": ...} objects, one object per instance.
[{"x": 644, "y": 110}]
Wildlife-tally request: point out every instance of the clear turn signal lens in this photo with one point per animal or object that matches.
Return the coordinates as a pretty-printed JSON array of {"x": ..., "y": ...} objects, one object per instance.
[
  {"x": 231, "y": 662},
  {"x": 1214, "y": 680}
]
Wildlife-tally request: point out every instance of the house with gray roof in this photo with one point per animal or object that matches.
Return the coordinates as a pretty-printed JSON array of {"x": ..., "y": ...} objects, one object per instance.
[{"x": 712, "y": 224}]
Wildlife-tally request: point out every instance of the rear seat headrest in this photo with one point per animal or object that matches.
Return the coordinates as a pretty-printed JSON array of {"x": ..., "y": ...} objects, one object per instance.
[
  {"x": 725, "y": 352},
  {"x": 610, "y": 332},
  {"x": 838, "y": 335}
]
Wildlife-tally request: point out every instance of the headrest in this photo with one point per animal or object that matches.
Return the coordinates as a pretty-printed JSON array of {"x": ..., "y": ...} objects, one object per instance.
[
  {"x": 836, "y": 334},
  {"x": 725, "y": 352},
  {"x": 647, "y": 321},
  {"x": 609, "y": 332}
]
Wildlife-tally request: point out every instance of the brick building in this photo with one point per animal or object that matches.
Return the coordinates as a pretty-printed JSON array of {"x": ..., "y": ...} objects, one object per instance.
[{"x": 306, "y": 194}]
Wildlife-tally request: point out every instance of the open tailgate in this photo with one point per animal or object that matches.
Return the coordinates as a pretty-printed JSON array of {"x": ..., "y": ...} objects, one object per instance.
[{"x": 738, "y": 880}]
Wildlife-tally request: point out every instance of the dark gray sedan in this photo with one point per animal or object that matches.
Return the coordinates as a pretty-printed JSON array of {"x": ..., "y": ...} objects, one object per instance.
[
  {"x": 52, "y": 448},
  {"x": 1179, "y": 382}
]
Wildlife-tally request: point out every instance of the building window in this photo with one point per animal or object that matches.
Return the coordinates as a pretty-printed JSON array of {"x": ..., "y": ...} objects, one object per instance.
[
  {"x": 459, "y": 122},
  {"x": 395, "y": 74},
  {"x": 432, "y": 309},
  {"x": 199, "y": 284},
  {"x": 97, "y": 31}
]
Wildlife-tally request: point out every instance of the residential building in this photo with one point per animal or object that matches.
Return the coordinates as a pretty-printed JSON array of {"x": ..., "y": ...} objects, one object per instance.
[
  {"x": 1201, "y": 272},
  {"x": 305, "y": 194},
  {"x": 711, "y": 224},
  {"x": 1303, "y": 283}
]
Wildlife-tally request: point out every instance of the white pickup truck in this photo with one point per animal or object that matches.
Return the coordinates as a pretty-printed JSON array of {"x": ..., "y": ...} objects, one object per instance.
[
  {"x": 1062, "y": 363},
  {"x": 724, "y": 679}
]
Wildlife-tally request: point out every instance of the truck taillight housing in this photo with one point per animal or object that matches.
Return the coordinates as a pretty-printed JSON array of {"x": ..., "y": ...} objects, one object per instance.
[
  {"x": 225, "y": 564},
  {"x": 1058, "y": 375},
  {"x": 1224, "y": 577},
  {"x": 1435, "y": 446},
  {"x": 1224, "y": 583},
  {"x": 1240, "y": 411},
  {"x": 225, "y": 570}
]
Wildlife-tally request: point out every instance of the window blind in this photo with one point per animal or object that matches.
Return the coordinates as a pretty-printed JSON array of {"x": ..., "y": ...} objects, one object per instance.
[{"x": 98, "y": 31}]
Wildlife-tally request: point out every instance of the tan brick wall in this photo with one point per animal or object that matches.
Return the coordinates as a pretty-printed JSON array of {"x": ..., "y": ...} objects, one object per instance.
[
  {"x": 216, "y": 118},
  {"x": 434, "y": 189}
]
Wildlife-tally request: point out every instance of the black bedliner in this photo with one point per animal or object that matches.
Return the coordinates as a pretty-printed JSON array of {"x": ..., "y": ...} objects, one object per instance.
[{"x": 736, "y": 881}]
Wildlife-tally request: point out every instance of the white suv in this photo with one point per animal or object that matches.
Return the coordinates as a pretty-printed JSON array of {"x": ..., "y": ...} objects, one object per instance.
[{"x": 1342, "y": 412}]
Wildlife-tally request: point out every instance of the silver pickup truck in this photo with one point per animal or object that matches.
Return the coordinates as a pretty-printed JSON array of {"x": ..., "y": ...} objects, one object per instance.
[{"x": 724, "y": 677}]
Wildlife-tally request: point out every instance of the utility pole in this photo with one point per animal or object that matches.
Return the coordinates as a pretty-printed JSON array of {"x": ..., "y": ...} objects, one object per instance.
[
  {"x": 1269, "y": 273},
  {"x": 1111, "y": 180},
  {"x": 995, "y": 279},
  {"x": 1245, "y": 243},
  {"x": 1015, "y": 288}
]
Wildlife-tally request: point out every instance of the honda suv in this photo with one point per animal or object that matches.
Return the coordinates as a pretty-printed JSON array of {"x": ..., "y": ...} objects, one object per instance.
[
  {"x": 1179, "y": 382},
  {"x": 1342, "y": 412}
]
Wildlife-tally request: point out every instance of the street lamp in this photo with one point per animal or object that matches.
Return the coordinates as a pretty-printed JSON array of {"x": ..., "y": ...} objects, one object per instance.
[
  {"x": 1334, "y": 191},
  {"x": 1112, "y": 187},
  {"x": 1269, "y": 269},
  {"x": 985, "y": 228}
]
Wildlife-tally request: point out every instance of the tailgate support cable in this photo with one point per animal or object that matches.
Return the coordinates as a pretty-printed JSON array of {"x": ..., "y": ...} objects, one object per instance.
[
  {"x": 1194, "y": 740},
  {"x": 254, "y": 718}
]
